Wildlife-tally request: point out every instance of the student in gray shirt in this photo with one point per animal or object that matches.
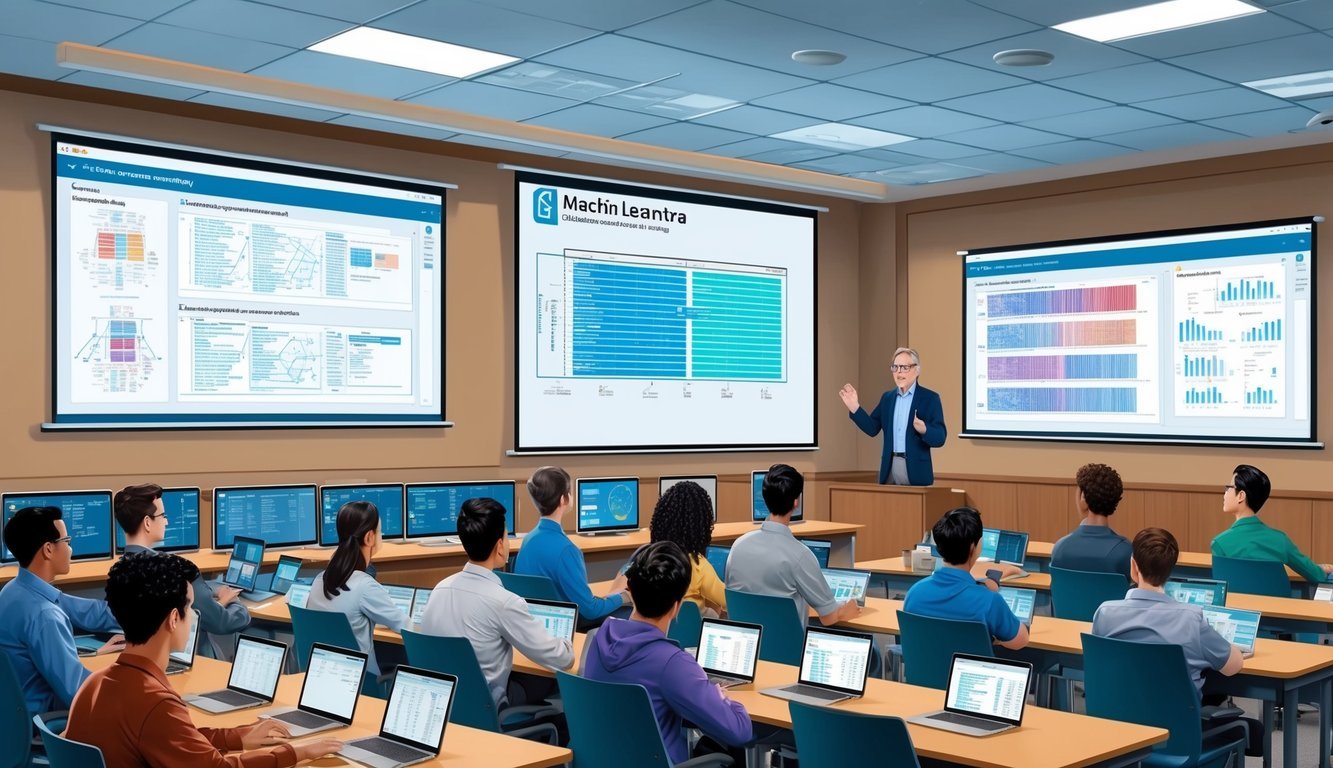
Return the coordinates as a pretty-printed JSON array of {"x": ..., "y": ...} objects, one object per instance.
[
  {"x": 1093, "y": 546},
  {"x": 474, "y": 604}
]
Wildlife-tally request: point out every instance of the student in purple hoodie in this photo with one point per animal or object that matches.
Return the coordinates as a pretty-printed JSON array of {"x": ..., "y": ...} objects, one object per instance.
[{"x": 636, "y": 650}]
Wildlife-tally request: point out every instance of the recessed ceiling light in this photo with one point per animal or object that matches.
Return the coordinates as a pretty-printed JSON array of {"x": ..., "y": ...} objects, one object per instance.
[
  {"x": 1158, "y": 17},
  {"x": 1303, "y": 86},
  {"x": 846, "y": 138},
  {"x": 399, "y": 50},
  {"x": 1024, "y": 57},
  {"x": 818, "y": 58}
]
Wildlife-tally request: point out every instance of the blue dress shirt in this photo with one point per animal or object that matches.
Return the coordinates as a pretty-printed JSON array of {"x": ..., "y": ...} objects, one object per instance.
[
  {"x": 902, "y": 417},
  {"x": 547, "y": 551},
  {"x": 952, "y": 593}
]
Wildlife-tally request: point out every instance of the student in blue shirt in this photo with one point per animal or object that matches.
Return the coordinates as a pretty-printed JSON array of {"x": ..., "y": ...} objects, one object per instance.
[
  {"x": 952, "y": 593},
  {"x": 548, "y": 552},
  {"x": 36, "y": 634}
]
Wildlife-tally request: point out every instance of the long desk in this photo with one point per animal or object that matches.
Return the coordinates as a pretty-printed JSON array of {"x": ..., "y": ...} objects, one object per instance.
[{"x": 1187, "y": 564}]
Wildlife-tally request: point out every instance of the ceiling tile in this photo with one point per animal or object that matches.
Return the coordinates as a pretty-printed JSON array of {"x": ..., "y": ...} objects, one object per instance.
[
  {"x": 924, "y": 173},
  {"x": 801, "y": 154},
  {"x": 1073, "y": 55},
  {"x": 130, "y": 85},
  {"x": 756, "y": 120},
  {"x": 1211, "y": 37},
  {"x": 670, "y": 103},
  {"x": 751, "y": 147},
  {"x": 998, "y": 162},
  {"x": 482, "y": 26},
  {"x": 1273, "y": 122},
  {"x": 57, "y": 24},
  {"x": 1139, "y": 82},
  {"x": 598, "y": 121},
  {"x": 198, "y": 47},
  {"x": 1099, "y": 122},
  {"x": 1166, "y": 136},
  {"x": 845, "y": 164},
  {"x": 135, "y": 9},
  {"x": 1314, "y": 13},
  {"x": 1320, "y": 103},
  {"x": 256, "y": 21},
  {"x": 594, "y": 14},
  {"x": 830, "y": 102},
  {"x": 923, "y": 122},
  {"x": 512, "y": 146},
  {"x": 266, "y": 107},
  {"x": 30, "y": 58},
  {"x": 1227, "y": 101},
  {"x": 1024, "y": 103},
  {"x": 491, "y": 101},
  {"x": 389, "y": 126},
  {"x": 357, "y": 11},
  {"x": 1312, "y": 52},
  {"x": 930, "y": 80},
  {"x": 686, "y": 136},
  {"x": 555, "y": 81},
  {"x": 1003, "y": 137},
  {"x": 367, "y": 77},
  {"x": 1080, "y": 151},
  {"x": 1048, "y": 13},
  {"x": 935, "y": 150}
]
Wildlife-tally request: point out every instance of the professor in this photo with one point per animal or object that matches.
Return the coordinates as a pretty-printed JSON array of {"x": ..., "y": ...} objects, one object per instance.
[{"x": 912, "y": 420}]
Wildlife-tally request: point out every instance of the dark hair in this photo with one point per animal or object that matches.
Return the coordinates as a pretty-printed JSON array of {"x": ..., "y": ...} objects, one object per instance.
[
  {"x": 481, "y": 523},
  {"x": 956, "y": 532},
  {"x": 547, "y": 486},
  {"x": 658, "y": 576},
  {"x": 1254, "y": 484},
  {"x": 1101, "y": 487},
  {"x": 30, "y": 529},
  {"x": 144, "y": 588},
  {"x": 133, "y": 503},
  {"x": 355, "y": 520},
  {"x": 684, "y": 514},
  {"x": 1155, "y": 553},
  {"x": 782, "y": 487}
]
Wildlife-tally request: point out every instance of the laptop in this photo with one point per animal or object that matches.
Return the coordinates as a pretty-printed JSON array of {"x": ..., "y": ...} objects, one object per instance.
[
  {"x": 559, "y": 619},
  {"x": 1020, "y": 601},
  {"x": 717, "y": 557},
  {"x": 821, "y": 549},
  {"x": 247, "y": 557},
  {"x": 329, "y": 693},
  {"x": 298, "y": 595},
  {"x": 419, "y": 599},
  {"x": 253, "y": 680},
  {"x": 414, "y": 720},
  {"x": 402, "y": 597},
  {"x": 1239, "y": 627},
  {"x": 1324, "y": 593},
  {"x": 728, "y": 651},
  {"x": 847, "y": 584},
  {"x": 1197, "y": 591},
  {"x": 834, "y": 665},
  {"x": 285, "y": 575},
  {"x": 183, "y": 660},
  {"x": 986, "y": 695},
  {"x": 999, "y": 546}
]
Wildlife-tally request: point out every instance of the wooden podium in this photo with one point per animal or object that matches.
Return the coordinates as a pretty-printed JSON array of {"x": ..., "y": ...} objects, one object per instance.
[{"x": 894, "y": 516}]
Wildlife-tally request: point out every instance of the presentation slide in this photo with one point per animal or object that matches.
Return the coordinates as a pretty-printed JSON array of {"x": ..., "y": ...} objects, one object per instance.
[
  {"x": 1187, "y": 336},
  {"x": 656, "y": 319},
  {"x": 198, "y": 289}
]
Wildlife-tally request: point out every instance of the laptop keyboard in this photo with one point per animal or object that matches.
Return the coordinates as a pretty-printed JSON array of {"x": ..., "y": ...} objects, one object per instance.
[
  {"x": 971, "y": 722},
  {"x": 814, "y": 692},
  {"x": 724, "y": 680},
  {"x": 390, "y": 749},
  {"x": 301, "y": 719},
  {"x": 231, "y": 697}
]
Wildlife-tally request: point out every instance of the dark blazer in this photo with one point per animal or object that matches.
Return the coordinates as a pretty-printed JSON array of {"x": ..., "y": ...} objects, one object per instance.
[{"x": 926, "y": 404}]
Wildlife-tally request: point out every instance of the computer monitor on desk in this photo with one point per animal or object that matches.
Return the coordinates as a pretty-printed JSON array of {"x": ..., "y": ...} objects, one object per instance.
[
  {"x": 87, "y": 516},
  {"x": 283, "y": 516},
  {"x": 707, "y": 482},
  {"x": 432, "y": 508},
  {"x": 387, "y": 498},
  {"x": 607, "y": 505},
  {"x": 759, "y": 510},
  {"x": 181, "y": 506}
]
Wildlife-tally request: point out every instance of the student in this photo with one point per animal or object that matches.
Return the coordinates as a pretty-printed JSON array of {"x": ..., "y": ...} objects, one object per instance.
[
  {"x": 547, "y": 550},
  {"x": 474, "y": 604},
  {"x": 684, "y": 515},
  {"x": 35, "y": 633},
  {"x": 140, "y": 515},
  {"x": 130, "y": 712},
  {"x": 345, "y": 587},
  {"x": 1093, "y": 546},
  {"x": 771, "y": 561},
  {"x": 1249, "y": 538},
  {"x": 953, "y": 593},
  {"x": 637, "y": 651}
]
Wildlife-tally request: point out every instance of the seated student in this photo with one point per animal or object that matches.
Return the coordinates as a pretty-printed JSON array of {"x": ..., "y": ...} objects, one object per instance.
[
  {"x": 1249, "y": 538},
  {"x": 35, "y": 633},
  {"x": 1093, "y": 546},
  {"x": 771, "y": 561},
  {"x": 140, "y": 515},
  {"x": 953, "y": 593},
  {"x": 129, "y": 710},
  {"x": 474, "y": 604},
  {"x": 637, "y": 651},
  {"x": 684, "y": 514},
  {"x": 345, "y": 587},
  {"x": 547, "y": 550}
]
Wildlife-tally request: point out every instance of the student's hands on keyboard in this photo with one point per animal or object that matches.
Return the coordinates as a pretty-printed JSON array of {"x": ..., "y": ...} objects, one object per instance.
[{"x": 263, "y": 733}]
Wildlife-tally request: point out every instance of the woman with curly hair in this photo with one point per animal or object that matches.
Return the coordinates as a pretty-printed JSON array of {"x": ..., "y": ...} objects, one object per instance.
[{"x": 684, "y": 515}]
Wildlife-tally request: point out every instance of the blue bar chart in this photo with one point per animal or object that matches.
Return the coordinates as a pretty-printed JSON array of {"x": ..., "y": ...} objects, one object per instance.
[
  {"x": 1267, "y": 331},
  {"x": 1204, "y": 366},
  {"x": 1259, "y": 396},
  {"x": 1203, "y": 396},
  {"x": 1246, "y": 290},
  {"x": 1192, "y": 330}
]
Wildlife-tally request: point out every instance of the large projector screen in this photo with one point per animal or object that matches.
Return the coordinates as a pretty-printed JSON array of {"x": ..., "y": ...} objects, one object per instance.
[
  {"x": 652, "y": 319},
  {"x": 195, "y": 289},
  {"x": 1187, "y": 336}
]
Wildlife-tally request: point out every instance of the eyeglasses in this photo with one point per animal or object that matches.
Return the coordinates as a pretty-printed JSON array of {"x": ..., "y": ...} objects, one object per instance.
[
  {"x": 902, "y": 368},
  {"x": 155, "y": 516},
  {"x": 64, "y": 539}
]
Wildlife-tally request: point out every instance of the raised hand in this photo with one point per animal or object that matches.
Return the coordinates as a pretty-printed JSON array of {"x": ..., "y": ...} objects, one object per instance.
[{"x": 849, "y": 398}]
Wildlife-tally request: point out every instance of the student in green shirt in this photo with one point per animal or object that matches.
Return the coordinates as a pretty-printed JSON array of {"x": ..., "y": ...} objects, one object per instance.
[{"x": 1249, "y": 538}]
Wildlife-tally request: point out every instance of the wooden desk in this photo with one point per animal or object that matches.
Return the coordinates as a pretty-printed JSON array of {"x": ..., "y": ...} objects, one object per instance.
[
  {"x": 893, "y": 572},
  {"x": 463, "y": 747},
  {"x": 890, "y": 513},
  {"x": 1188, "y": 564}
]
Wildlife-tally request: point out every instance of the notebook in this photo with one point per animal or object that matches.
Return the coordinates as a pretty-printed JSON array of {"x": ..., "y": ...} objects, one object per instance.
[
  {"x": 414, "y": 720},
  {"x": 419, "y": 600},
  {"x": 998, "y": 546},
  {"x": 253, "y": 679},
  {"x": 1197, "y": 591},
  {"x": 329, "y": 692},
  {"x": 834, "y": 664},
  {"x": 182, "y": 660},
  {"x": 1020, "y": 601},
  {"x": 298, "y": 595},
  {"x": 1239, "y": 627},
  {"x": 559, "y": 619},
  {"x": 728, "y": 651},
  {"x": 847, "y": 584},
  {"x": 986, "y": 695}
]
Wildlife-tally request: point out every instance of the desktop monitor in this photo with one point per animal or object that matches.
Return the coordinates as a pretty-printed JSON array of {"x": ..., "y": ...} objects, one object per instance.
[
  {"x": 280, "y": 515},
  {"x": 181, "y": 506},
  {"x": 87, "y": 516},
  {"x": 432, "y": 508},
  {"x": 822, "y": 548},
  {"x": 607, "y": 504},
  {"x": 758, "y": 509},
  {"x": 707, "y": 482},
  {"x": 387, "y": 498}
]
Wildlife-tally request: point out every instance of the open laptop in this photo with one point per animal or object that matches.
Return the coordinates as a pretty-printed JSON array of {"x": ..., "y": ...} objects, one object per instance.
[
  {"x": 402, "y": 597},
  {"x": 419, "y": 599},
  {"x": 1021, "y": 602},
  {"x": 822, "y": 548},
  {"x": 329, "y": 693},
  {"x": 847, "y": 584},
  {"x": 834, "y": 665},
  {"x": 728, "y": 651},
  {"x": 247, "y": 557},
  {"x": 559, "y": 619},
  {"x": 1324, "y": 593},
  {"x": 414, "y": 720},
  {"x": 298, "y": 595},
  {"x": 253, "y": 679},
  {"x": 285, "y": 575},
  {"x": 1197, "y": 591},
  {"x": 717, "y": 557},
  {"x": 1000, "y": 546},
  {"x": 986, "y": 695},
  {"x": 1239, "y": 627},
  {"x": 183, "y": 660}
]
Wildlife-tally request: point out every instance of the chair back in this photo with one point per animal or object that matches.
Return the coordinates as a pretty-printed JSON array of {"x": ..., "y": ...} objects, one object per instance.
[
  {"x": 1118, "y": 674},
  {"x": 63, "y": 753},
  {"x": 687, "y": 626},
  {"x": 634, "y": 740},
  {"x": 1077, "y": 595},
  {"x": 784, "y": 634},
  {"x": 930, "y": 643},
  {"x": 310, "y": 626},
  {"x": 835, "y": 738},
  {"x": 473, "y": 705},
  {"x": 529, "y": 587},
  {"x": 15, "y": 727},
  {"x": 1252, "y": 577}
]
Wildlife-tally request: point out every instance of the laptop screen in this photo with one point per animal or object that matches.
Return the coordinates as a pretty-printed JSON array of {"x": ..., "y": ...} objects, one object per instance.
[
  {"x": 1004, "y": 546},
  {"x": 1324, "y": 592},
  {"x": 298, "y": 595},
  {"x": 836, "y": 659},
  {"x": 821, "y": 548},
  {"x": 717, "y": 557},
  {"x": 247, "y": 555},
  {"x": 988, "y": 687},
  {"x": 418, "y": 708},
  {"x": 559, "y": 619},
  {"x": 419, "y": 600},
  {"x": 729, "y": 648},
  {"x": 333, "y": 681},
  {"x": 401, "y": 597},
  {"x": 1020, "y": 601},
  {"x": 1197, "y": 591},
  {"x": 1239, "y": 627},
  {"x": 186, "y": 656},
  {"x": 285, "y": 574},
  {"x": 257, "y": 666},
  {"x": 847, "y": 585}
]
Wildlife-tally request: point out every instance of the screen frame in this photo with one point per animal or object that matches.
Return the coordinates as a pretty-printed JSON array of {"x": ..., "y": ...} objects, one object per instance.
[
  {"x": 758, "y": 643},
  {"x": 854, "y": 692},
  {"x": 448, "y": 709},
  {"x": 111, "y": 531},
  {"x": 305, "y": 680},
  {"x": 319, "y": 509},
  {"x": 512, "y": 515},
  {"x": 1023, "y": 702},
  {"x": 578, "y": 495},
  {"x": 271, "y": 546}
]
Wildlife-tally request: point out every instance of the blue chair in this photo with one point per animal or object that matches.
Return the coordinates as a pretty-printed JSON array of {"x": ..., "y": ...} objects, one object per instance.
[
  {"x": 634, "y": 740},
  {"x": 473, "y": 705},
  {"x": 331, "y": 628},
  {"x": 1252, "y": 577},
  {"x": 687, "y": 626},
  {"x": 784, "y": 633},
  {"x": 930, "y": 643},
  {"x": 529, "y": 587},
  {"x": 835, "y": 738},
  {"x": 63, "y": 753},
  {"x": 15, "y": 728},
  {"x": 1118, "y": 675},
  {"x": 1077, "y": 595}
]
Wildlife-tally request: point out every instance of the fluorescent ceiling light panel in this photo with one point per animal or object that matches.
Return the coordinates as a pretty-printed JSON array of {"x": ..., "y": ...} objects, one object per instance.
[
  {"x": 1158, "y": 17},
  {"x": 1303, "y": 86},
  {"x": 411, "y": 52},
  {"x": 554, "y": 81},
  {"x": 845, "y": 138}
]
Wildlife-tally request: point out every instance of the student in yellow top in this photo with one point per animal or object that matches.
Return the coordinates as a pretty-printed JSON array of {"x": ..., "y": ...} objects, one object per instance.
[{"x": 684, "y": 515}]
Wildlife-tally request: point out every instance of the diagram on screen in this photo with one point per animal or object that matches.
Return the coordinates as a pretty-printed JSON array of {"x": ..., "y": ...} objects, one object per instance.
[
  {"x": 119, "y": 360},
  {"x": 116, "y": 244},
  {"x": 621, "y": 502}
]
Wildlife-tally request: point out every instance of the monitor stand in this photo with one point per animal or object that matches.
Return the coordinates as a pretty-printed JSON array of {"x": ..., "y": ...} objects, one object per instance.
[
  {"x": 605, "y": 533},
  {"x": 439, "y": 541}
]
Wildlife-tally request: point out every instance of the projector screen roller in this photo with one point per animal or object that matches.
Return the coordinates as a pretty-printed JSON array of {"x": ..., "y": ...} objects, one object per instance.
[
  {"x": 194, "y": 289},
  {"x": 1187, "y": 336},
  {"x": 656, "y": 319}
]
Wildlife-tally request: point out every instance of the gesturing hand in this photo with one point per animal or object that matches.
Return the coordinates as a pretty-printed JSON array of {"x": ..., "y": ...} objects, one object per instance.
[
  {"x": 918, "y": 424},
  {"x": 849, "y": 398}
]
